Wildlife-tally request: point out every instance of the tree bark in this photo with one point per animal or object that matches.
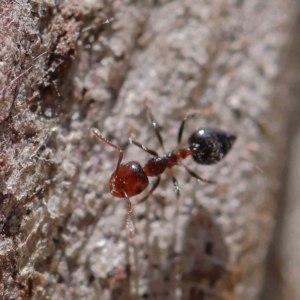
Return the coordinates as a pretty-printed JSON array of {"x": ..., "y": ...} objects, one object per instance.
[
  {"x": 282, "y": 276},
  {"x": 67, "y": 67}
]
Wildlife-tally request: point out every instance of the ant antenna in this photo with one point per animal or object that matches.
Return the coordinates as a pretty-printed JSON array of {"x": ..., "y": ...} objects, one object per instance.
[
  {"x": 129, "y": 222},
  {"x": 100, "y": 137}
]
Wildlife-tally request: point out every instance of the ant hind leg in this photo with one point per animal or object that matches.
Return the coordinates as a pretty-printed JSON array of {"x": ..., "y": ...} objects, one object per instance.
[{"x": 193, "y": 174}]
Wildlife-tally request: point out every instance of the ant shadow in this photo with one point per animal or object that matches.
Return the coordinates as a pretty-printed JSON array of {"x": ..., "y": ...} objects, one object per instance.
[
  {"x": 158, "y": 268},
  {"x": 204, "y": 259},
  {"x": 198, "y": 271}
]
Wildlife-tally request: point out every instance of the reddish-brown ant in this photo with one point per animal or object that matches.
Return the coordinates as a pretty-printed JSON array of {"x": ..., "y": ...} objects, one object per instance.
[{"x": 206, "y": 145}]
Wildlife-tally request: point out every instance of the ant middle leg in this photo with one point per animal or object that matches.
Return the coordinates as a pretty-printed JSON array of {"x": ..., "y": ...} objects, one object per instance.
[
  {"x": 155, "y": 125},
  {"x": 154, "y": 153}
]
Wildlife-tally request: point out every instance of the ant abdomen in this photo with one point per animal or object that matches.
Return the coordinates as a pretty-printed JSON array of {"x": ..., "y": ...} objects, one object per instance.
[
  {"x": 129, "y": 180},
  {"x": 210, "y": 145}
]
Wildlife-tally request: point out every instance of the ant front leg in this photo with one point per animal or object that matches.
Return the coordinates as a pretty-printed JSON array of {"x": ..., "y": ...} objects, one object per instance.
[
  {"x": 129, "y": 222},
  {"x": 155, "y": 125},
  {"x": 153, "y": 153},
  {"x": 149, "y": 151},
  {"x": 155, "y": 185},
  {"x": 175, "y": 183}
]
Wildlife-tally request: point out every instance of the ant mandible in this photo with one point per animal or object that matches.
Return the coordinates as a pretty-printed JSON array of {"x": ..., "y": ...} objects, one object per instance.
[{"x": 206, "y": 145}]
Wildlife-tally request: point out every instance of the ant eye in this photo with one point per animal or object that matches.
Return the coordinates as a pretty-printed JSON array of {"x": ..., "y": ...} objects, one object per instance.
[{"x": 210, "y": 145}]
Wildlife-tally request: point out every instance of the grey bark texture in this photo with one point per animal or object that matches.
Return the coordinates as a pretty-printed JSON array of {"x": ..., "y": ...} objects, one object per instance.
[
  {"x": 283, "y": 272},
  {"x": 67, "y": 66}
]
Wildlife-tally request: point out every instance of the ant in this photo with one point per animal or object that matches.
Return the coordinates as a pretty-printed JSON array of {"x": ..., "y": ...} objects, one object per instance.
[{"x": 206, "y": 145}]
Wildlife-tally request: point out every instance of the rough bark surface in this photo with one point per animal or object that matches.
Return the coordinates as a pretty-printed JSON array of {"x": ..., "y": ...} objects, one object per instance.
[
  {"x": 67, "y": 66},
  {"x": 283, "y": 275}
]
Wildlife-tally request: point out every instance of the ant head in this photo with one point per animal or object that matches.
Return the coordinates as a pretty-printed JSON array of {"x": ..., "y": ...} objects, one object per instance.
[
  {"x": 128, "y": 180},
  {"x": 210, "y": 145}
]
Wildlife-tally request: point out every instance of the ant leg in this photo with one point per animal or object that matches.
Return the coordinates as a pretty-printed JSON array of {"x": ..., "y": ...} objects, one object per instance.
[
  {"x": 155, "y": 126},
  {"x": 155, "y": 185},
  {"x": 181, "y": 128},
  {"x": 151, "y": 152},
  {"x": 188, "y": 116},
  {"x": 129, "y": 222},
  {"x": 175, "y": 183},
  {"x": 159, "y": 137},
  {"x": 100, "y": 137},
  {"x": 192, "y": 173}
]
